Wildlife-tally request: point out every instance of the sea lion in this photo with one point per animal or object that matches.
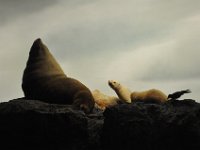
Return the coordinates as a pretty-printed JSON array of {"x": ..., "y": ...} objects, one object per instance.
[
  {"x": 153, "y": 95},
  {"x": 178, "y": 94},
  {"x": 126, "y": 95},
  {"x": 123, "y": 92},
  {"x": 103, "y": 101},
  {"x": 44, "y": 80}
]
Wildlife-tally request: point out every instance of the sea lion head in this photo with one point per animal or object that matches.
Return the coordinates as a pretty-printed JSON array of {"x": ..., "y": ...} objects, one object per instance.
[
  {"x": 84, "y": 101},
  {"x": 113, "y": 84}
]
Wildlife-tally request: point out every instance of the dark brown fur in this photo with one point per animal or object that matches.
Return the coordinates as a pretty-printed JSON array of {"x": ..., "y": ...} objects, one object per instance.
[{"x": 44, "y": 80}]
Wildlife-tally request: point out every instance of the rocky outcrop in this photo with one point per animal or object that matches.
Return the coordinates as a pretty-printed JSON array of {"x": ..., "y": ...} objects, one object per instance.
[
  {"x": 32, "y": 124},
  {"x": 150, "y": 126}
]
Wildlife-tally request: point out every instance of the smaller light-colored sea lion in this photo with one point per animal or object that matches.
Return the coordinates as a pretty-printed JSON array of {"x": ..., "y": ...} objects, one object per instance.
[
  {"x": 149, "y": 95},
  {"x": 103, "y": 101},
  {"x": 123, "y": 92},
  {"x": 44, "y": 80}
]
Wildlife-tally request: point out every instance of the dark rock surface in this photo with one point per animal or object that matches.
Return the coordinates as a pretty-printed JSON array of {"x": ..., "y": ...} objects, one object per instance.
[
  {"x": 31, "y": 124},
  {"x": 150, "y": 126}
]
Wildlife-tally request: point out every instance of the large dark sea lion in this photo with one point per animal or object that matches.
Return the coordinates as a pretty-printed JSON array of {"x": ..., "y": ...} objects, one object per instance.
[{"x": 44, "y": 80}]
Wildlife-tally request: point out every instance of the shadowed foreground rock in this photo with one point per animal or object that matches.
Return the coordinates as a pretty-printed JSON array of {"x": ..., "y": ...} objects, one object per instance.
[
  {"x": 31, "y": 124},
  {"x": 150, "y": 126}
]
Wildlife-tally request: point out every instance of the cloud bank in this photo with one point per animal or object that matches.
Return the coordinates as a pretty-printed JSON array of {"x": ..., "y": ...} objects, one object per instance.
[{"x": 141, "y": 43}]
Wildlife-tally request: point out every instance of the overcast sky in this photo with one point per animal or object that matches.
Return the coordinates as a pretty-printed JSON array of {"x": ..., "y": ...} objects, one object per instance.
[{"x": 141, "y": 43}]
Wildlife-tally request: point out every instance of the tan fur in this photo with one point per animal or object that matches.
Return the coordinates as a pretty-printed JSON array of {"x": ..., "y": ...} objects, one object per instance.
[
  {"x": 123, "y": 92},
  {"x": 44, "y": 80},
  {"x": 149, "y": 95},
  {"x": 103, "y": 101}
]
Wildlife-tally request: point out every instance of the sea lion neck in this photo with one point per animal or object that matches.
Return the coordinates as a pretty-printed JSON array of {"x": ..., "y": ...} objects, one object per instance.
[
  {"x": 38, "y": 49},
  {"x": 41, "y": 57}
]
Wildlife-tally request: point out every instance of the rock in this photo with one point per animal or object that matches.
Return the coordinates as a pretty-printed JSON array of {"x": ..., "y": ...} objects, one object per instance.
[
  {"x": 32, "y": 124},
  {"x": 152, "y": 126},
  {"x": 35, "y": 125}
]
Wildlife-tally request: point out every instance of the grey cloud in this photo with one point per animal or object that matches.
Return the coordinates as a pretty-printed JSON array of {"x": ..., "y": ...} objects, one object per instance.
[
  {"x": 101, "y": 30},
  {"x": 99, "y": 40},
  {"x": 180, "y": 67},
  {"x": 12, "y": 9},
  {"x": 182, "y": 59},
  {"x": 10, "y": 85},
  {"x": 81, "y": 41}
]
